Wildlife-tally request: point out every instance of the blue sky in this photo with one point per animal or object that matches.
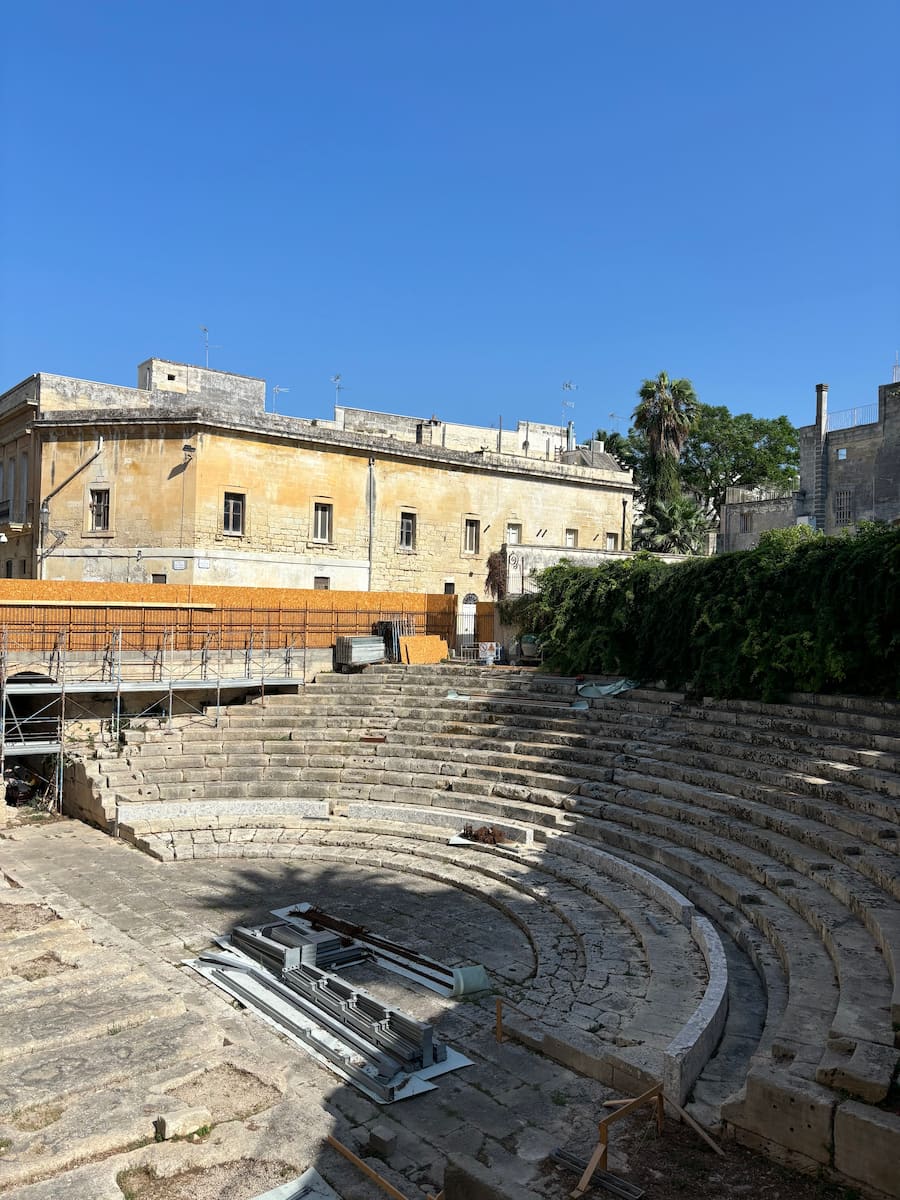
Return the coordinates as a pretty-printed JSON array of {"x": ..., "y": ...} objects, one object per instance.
[{"x": 457, "y": 206}]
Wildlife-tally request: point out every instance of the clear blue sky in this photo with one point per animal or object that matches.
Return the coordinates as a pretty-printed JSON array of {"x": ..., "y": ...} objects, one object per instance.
[{"x": 457, "y": 206}]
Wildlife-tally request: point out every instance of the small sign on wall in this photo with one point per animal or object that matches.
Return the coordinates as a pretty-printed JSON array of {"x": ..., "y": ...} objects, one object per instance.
[
  {"x": 178, "y": 564},
  {"x": 202, "y": 564}
]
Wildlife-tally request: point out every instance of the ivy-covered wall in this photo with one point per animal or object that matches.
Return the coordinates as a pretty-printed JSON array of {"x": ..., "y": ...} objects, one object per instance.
[{"x": 800, "y": 612}]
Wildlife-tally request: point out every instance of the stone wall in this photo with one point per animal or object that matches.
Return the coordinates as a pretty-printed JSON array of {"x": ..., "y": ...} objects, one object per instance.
[
  {"x": 743, "y": 522},
  {"x": 240, "y": 393},
  {"x": 846, "y": 476},
  {"x": 527, "y": 439}
]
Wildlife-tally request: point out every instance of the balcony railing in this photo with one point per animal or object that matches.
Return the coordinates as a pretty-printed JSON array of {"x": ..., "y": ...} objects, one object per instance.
[
  {"x": 15, "y": 513},
  {"x": 849, "y": 418}
]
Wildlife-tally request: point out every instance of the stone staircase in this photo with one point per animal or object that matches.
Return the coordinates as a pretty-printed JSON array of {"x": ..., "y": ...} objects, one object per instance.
[{"x": 636, "y": 821}]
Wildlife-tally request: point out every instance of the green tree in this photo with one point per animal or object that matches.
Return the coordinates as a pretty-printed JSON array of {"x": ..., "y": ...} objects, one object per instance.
[
  {"x": 675, "y": 526},
  {"x": 665, "y": 414},
  {"x": 723, "y": 450}
]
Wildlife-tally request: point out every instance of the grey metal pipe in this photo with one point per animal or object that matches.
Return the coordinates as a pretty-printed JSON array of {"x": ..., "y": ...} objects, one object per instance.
[
  {"x": 370, "y": 501},
  {"x": 46, "y": 501}
]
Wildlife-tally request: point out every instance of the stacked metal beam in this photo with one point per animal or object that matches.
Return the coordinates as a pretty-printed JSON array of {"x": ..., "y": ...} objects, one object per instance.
[{"x": 278, "y": 970}]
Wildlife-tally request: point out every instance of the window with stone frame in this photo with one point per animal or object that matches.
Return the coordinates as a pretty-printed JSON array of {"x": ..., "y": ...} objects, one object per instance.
[
  {"x": 323, "y": 522},
  {"x": 746, "y": 522},
  {"x": 472, "y": 536},
  {"x": 234, "y": 514},
  {"x": 99, "y": 510},
  {"x": 407, "y": 530}
]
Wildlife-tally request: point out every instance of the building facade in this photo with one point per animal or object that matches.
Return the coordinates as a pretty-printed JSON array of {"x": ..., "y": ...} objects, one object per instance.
[
  {"x": 849, "y": 472},
  {"x": 187, "y": 478}
]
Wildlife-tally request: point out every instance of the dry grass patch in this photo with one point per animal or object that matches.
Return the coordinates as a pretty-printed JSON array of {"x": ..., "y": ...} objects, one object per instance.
[
  {"x": 228, "y": 1181},
  {"x": 22, "y": 918},
  {"x": 41, "y": 967},
  {"x": 229, "y": 1093},
  {"x": 29, "y": 1120}
]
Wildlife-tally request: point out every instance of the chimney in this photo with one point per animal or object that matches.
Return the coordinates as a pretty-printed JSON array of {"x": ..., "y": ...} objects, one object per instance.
[{"x": 821, "y": 409}]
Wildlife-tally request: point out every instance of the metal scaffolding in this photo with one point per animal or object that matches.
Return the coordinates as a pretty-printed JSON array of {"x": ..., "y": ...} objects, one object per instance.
[{"x": 39, "y": 687}]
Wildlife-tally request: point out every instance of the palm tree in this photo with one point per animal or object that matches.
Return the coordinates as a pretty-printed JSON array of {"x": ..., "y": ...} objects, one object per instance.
[
  {"x": 666, "y": 414},
  {"x": 676, "y": 527}
]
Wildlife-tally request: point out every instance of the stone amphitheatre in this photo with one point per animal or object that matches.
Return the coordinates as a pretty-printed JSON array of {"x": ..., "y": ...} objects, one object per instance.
[{"x": 702, "y": 894}]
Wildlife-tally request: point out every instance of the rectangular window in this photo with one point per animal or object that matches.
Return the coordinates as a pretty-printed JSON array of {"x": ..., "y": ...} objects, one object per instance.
[
  {"x": 99, "y": 510},
  {"x": 322, "y": 583},
  {"x": 323, "y": 522},
  {"x": 612, "y": 541},
  {"x": 842, "y": 454},
  {"x": 157, "y": 579},
  {"x": 514, "y": 534},
  {"x": 449, "y": 588},
  {"x": 572, "y": 537},
  {"x": 746, "y": 522},
  {"x": 234, "y": 513},
  {"x": 9, "y": 568},
  {"x": 843, "y": 508},
  {"x": 472, "y": 536},
  {"x": 407, "y": 531}
]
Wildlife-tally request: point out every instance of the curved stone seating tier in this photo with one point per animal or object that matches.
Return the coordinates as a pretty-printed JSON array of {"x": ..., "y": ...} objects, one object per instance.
[
  {"x": 778, "y": 822},
  {"x": 630, "y": 981}
]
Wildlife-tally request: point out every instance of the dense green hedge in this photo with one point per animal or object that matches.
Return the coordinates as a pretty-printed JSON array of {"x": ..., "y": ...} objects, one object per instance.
[{"x": 798, "y": 613}]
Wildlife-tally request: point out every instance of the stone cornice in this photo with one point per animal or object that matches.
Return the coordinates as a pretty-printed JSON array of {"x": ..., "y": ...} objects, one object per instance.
[{"x": 319, "y": 436}]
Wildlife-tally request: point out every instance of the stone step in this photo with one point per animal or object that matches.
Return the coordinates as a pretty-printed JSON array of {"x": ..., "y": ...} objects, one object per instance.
[
  {"x": 62, "y": 1071},
  {"x": 800, "y": 725},
  {"x": 796, "y": 759},
  {"x": 869, "y": 713},
  {"x": 839, "y": 809},
  {"x": 864, "y": 898},
  {"x": 812, "y": 986},
  {"x": 84, "y": 1016},
  {"x": 201, "y": 811},
  {"x": 863, "y": 1012},
  {"x": 815, "y": 825},
  {"x": 779, "y": 748}
]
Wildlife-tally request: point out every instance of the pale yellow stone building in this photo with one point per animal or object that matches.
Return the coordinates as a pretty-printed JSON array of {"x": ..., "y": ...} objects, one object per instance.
[{"x": 187, "y": 478}]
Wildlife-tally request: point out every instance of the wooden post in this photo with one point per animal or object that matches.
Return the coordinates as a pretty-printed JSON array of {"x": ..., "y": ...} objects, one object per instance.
[
  {"x": 365, "y": 1168},
  {"x": 499, "y": 1020}
]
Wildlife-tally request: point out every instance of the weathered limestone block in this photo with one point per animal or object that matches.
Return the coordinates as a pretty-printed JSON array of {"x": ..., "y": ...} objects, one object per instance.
[
  {"x": 866, "y": 1073},
  {"x": 867, "y": 1146},
  {"x": 782, "y": 1111},
  {"x": 182, "y": 1121}
]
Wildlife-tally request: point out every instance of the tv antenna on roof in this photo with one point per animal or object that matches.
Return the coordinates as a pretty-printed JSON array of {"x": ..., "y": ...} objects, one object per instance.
[
  {"x": 206, "y": 345},
  {"x": 338, "y": 388},
  {"x": 275, "y": 393},
  {"x": 568, "y": 386}
]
